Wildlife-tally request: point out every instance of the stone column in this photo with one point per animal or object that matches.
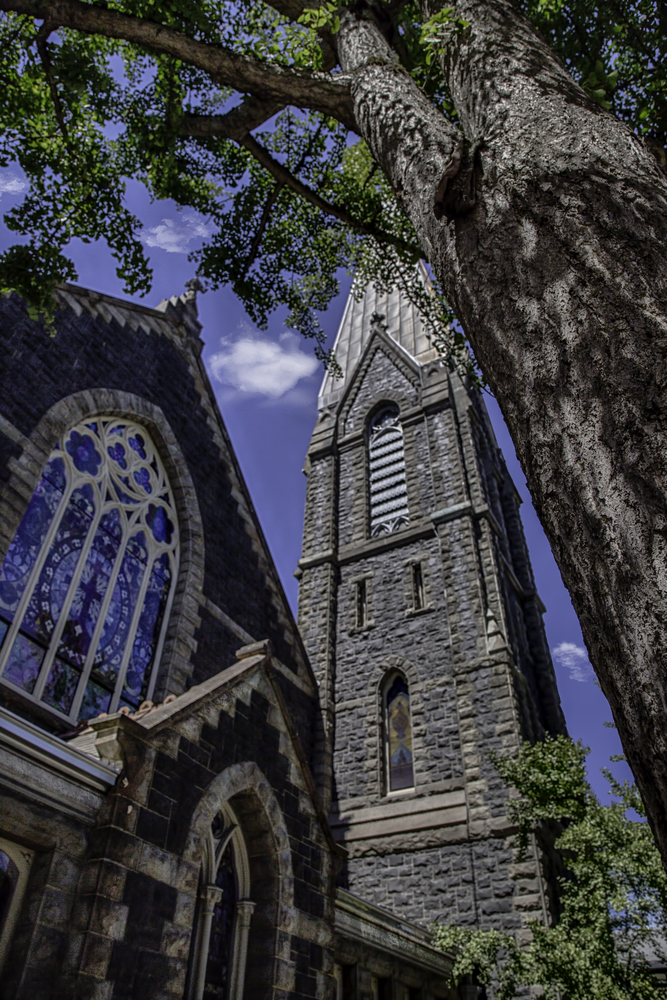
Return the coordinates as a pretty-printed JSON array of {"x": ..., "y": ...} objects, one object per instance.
[
  {"x": 244, "y": 911},
  {"x": 210, "y": 895}
]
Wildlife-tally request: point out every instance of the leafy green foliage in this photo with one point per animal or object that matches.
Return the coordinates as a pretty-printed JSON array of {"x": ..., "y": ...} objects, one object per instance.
[
  {"x": 617, "y": 51},
  {"x": 613, "y": 891},
  {"x": 82, "y": 116}
]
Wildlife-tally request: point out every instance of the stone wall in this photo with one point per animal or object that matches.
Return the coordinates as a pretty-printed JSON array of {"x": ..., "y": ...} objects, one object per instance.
[{"x": 475, "y": 657}]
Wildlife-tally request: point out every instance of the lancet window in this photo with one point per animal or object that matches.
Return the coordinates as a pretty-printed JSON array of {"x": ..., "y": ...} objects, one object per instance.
[
  {"x": 14, "y": 869},
  {"x": 386, "y": 460},
  {"x": 398, "y": 734},
  {"x": 87, "y": 582},
  {"x": 223, "y": 917}
]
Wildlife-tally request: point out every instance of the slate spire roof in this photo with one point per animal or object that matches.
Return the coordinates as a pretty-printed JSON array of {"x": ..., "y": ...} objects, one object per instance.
[{"x": 404, "y": 324}]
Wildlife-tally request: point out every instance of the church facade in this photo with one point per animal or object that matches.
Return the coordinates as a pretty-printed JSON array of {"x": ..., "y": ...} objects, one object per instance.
[{"x": 198, "y": 799}]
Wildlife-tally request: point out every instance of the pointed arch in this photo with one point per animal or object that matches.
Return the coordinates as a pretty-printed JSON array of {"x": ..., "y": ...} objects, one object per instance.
[
  {"x": 173, "y": 667},
  {"x": 242, "y": 796},
  {"x": 397, "y": 735}
]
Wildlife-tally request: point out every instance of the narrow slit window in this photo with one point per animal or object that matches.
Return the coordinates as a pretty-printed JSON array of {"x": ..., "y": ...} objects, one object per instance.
[
  {"x": 362, "y": 603},
  {"x": 398, "y": 735},
  {"x": 387, "y": 481},
  {"x": 87, "y": 580},
  {"x": 417, "y": 587}
]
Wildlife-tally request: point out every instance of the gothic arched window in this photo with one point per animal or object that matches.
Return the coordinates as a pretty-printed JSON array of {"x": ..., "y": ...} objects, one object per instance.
[
  {"x": 221, "y": 928},
  {"x": 87, "y": 581},
  {"x": 14, "y": 868},
  {"x": 386, "y": 461},
  {"x": 397, "y": 734}
]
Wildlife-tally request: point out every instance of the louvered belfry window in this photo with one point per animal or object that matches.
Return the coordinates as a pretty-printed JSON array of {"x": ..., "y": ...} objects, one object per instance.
[{"x": 388, "y": 487}]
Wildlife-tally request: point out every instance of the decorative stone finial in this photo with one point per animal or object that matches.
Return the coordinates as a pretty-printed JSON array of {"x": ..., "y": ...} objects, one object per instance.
[
  {"x": 183, "y": 308},
  {"x": 378, "y": 322}
]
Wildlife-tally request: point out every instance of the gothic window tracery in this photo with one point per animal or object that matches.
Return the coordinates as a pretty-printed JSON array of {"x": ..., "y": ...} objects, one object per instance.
[
  {"x": 398, "y": 734},
  {"x": 87, "y": 582},
  {"x": 223, "y": 921},
  {"x": 387, "y": 480}
]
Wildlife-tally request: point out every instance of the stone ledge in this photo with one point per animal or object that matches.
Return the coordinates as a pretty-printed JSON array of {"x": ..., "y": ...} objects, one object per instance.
[
  {"x": 396, "y": 817},
  {"x": 374, "y": 927}
]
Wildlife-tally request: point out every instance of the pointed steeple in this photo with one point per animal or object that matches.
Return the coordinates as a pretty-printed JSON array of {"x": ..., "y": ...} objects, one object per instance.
[{"x": 393, "y": 312}]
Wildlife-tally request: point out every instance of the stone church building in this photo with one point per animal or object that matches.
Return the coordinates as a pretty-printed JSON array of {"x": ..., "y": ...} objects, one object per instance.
[{"x": 199, "y": 800}]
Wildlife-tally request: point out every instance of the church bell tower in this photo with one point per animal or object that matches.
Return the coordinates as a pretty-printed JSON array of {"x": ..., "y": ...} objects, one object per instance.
[{"x": 418, "y": 608}]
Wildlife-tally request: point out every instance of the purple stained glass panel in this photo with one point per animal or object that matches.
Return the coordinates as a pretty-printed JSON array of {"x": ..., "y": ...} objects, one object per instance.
[
  {"x": 28, "y": 540},
  {"x": 4, "y": 627},
  {"x": 84, "y": 454},
  {"x": 61, "y": 685},
  {"x": 138, "y": 444},
  {"x": 143, "y": 478},
  {"x": 96, "y": 700},
  {"x": 86, "y": 605},
  {"x": 54, "y": 471},
  {"x": 49, "y": 595},
  {"x": 111, "y": 646},
  {"x": 159, "y": 524},
  {"x": 118, "y": 454},
  {"x": 148, "y": 631},
  {"x": 24, "y": 662}
]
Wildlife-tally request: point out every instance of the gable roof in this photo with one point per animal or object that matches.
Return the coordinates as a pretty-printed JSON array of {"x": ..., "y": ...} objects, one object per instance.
[
  {"x": 404, "y": 325},
  {"x": 187, "y": 713}
]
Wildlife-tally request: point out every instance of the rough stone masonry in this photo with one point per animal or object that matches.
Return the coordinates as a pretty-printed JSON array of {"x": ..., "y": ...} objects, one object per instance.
[{"x": 473, "y": 653}]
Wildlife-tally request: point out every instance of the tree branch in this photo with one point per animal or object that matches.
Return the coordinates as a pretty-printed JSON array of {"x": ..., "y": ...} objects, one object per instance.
[
  {"x": 263, "y": 223},
  {"x": 271, "y": 200},
  {"x": 43, "y": 50},
  {"x": 283, "y": 176},
  {"x": 317, "y": 91},
  {"x": 249, "y": 114}
]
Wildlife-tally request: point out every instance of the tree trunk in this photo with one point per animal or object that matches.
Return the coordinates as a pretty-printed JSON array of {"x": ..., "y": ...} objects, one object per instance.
[{"x": 545, "y": 221}]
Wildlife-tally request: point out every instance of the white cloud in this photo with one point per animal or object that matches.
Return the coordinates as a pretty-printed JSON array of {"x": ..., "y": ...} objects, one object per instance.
[
  {"x": 11, "y": 185},
  {"x": 267, "y": 367},
  {"x": 173, "y": 235},
  {"x": 574, "y": 659}
]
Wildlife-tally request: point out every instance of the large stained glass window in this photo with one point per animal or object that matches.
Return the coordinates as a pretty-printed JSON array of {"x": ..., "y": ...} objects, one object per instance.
[
  {"x": 86, "y": 584},
  {"x": 398, "y": 734}
]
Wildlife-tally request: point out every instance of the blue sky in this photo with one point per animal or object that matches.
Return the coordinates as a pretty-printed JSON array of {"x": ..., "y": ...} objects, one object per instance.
[{"x": 266, "y": 383}]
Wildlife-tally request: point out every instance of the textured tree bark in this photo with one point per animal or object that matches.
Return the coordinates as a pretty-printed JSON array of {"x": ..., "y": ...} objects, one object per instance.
[{"x": 549, "y": 240}]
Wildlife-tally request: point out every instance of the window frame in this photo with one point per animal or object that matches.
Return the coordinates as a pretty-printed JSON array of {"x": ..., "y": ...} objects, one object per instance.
[
  {"x": 393, "y": 521},
  {"x": 131, "y": 524},
  {"x": 418, "y": 588},
  {"x": 387, "y": 684},
  {"x": 22, "y": 858},
  {"x": 212, "y": 856}
]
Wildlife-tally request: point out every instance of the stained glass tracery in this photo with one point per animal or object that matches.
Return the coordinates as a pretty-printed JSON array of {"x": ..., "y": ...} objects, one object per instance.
[
  {"x": 398, "y": 726},
  {"x": 86, "y": 582}
]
